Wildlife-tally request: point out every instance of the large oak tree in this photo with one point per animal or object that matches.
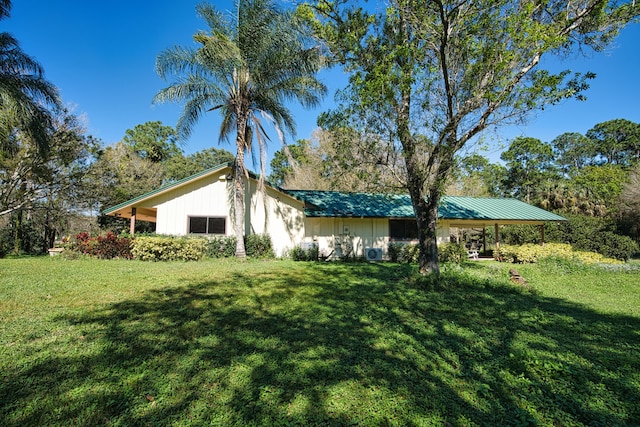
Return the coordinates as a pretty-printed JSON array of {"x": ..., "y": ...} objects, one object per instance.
[{"x": 445, "y": 70}]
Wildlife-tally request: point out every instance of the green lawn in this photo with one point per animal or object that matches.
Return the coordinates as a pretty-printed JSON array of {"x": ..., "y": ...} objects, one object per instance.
[{"x": 126, "y": 343}]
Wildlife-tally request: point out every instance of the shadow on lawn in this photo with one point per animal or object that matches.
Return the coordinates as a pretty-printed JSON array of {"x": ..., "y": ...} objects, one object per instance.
[{"x": 338, "y": 345}]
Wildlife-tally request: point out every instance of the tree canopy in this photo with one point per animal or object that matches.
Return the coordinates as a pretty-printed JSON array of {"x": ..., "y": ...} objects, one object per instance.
[{"x": 26, "y": 97}]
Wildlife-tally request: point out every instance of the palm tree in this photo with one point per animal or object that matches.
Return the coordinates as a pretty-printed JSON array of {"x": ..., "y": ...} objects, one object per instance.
[
  {"x": 25, "y": 95},
  {"x": 247, "y": 66}
]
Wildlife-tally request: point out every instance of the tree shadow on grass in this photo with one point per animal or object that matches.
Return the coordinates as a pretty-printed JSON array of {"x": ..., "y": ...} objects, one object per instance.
[{"x": 360, "y": 344}]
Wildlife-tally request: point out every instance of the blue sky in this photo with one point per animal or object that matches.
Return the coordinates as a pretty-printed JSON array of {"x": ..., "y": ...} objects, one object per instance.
[{"x": 101, "y": 56}]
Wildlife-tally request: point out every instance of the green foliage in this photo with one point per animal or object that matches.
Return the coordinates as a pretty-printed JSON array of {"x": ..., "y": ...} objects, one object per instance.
[
  {"x": 259, "y": 246},
  {"x": 616, "y": 141},
  {"x": 28, "y": 99},
  {"x": 305, "y": 253},
  {"x": 180, "y": 166},
  {"x": 519, "y": 234},
  {"x": 530, "y": 253},
  {"x": 403, "y": 252},
  {"x": 221, "y": 246},
  {"x": 452, "y": 252},
  {"x": 596, "y": 235},
  {"x": 529, "y": 164},
  {"x": 615, "y": 246},
  {"x": 152, "y": 141},
  {"x": 168, "y": 248},
  {"x": 394, "y": 251},
  {"x": 583, "y": 233},
  {"x": 107, "y": 246}
]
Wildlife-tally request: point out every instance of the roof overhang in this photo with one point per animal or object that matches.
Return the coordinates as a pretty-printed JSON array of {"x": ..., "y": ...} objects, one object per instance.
[{"x": 142, "y": 214}]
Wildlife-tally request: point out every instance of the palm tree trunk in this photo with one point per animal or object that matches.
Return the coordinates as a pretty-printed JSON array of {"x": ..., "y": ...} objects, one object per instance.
[{"x": 239, "y": 192}]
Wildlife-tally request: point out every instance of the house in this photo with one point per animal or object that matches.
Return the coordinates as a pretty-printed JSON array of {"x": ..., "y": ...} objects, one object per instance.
[{"x": 339, "y": 223}]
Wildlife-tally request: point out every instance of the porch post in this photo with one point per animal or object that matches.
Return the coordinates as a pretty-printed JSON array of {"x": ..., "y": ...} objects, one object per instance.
[
  {"x": 132, "y": 223},
  {"x": 497, "y": 236},
  {"x": 484, "y": 239},
  {"x": 542, "y": 234}
]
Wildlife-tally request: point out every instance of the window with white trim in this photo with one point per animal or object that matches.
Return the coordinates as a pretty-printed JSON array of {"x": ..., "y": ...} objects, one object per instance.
[{"x": 207, "y": 225}]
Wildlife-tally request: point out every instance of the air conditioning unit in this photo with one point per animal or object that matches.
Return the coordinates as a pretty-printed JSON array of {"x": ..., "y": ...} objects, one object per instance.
[{"x": 373, "y": 254}]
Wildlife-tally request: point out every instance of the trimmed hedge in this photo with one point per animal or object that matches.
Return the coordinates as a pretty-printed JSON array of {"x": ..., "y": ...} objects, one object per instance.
[
  {"x": 193, "y": 248},
  {"x": 255, "y": 245},
  {"x": 168, "y": 248},
  {"x": 530, "y": 253}
]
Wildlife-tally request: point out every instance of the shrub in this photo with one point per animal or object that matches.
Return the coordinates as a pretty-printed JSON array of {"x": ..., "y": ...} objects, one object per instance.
[
  {"x": 590, "y": 234},
  {"x": 452, "y": 252},
  {"x": 530, "y": 253},
  {"x": 395, "y": 251},
  {"x": 617, "y": 246},
  {"x": 256, "y": 245},
  {"x": 168, "y": 248},
  {"x": 403, "y": 252},
  {"x": 305, "y": 253},
  {"x": 259, "y": 246},
  {"x": 106, "y": 246},
  {"x": 221, "y": 247}
]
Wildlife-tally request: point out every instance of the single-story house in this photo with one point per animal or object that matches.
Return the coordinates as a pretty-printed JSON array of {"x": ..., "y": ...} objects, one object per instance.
[{"x": 340, "y": 223}]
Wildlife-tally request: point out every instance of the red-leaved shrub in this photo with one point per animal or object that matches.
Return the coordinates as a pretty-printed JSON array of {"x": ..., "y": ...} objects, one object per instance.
[{"x": 104, "y": 246}]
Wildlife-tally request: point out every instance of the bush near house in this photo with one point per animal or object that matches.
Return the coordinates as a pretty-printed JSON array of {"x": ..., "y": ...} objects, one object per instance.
[
  {"x": 105, "y": 246},
  {"x": 530, "y": 253},
  {"x": 194, "y": 248},
  {"x": 409, "y": 252},
  {"x": 168, "y": 248},
  {"x": 582, "y": 233},
  {"x": 300, "y": 253}
]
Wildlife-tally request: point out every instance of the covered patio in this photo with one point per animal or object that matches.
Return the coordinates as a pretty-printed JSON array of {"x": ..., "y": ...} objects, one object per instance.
[{"x": 481, "y": 213}]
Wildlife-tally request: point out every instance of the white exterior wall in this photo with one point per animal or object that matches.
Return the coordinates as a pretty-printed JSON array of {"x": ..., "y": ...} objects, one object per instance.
[
  {"x": 205, "y": 197},
  {"x": 354, "y": 234},
  {"x": 349, "y": 236},
  {"x": 272, "y": 212}
]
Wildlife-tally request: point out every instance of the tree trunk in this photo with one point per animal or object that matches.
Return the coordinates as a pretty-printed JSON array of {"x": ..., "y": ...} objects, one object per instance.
[
  {"x": 17, "y": 236},
  {"x": 426, "y": 210},
  {"x": 239, "y": 205},
  {"x": 238, "y": 181}
]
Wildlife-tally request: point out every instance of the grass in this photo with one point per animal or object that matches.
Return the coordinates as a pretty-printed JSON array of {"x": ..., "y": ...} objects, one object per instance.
[{"x": 126, "y": 343}]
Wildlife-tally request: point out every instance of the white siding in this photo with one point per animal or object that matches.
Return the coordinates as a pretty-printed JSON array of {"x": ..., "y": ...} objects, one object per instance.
[
  {"x": 205, "y": 197},
  {"x": 347, "y": 236},
  {"x": 277, "y": 214},
  {"x": 269, "y": 211}
]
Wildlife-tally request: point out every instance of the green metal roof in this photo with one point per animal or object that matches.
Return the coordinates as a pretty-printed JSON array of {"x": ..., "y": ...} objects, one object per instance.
[
  {"x": 479, "y": 208},
  {"x": 365, "y": 205},
  {"x": 339, "y": 204}
]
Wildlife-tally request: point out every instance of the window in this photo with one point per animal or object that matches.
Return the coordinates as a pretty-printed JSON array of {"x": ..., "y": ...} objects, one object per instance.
[
  {"x": 207, "y": 225},
  {"x": 403, "y": 229}
]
